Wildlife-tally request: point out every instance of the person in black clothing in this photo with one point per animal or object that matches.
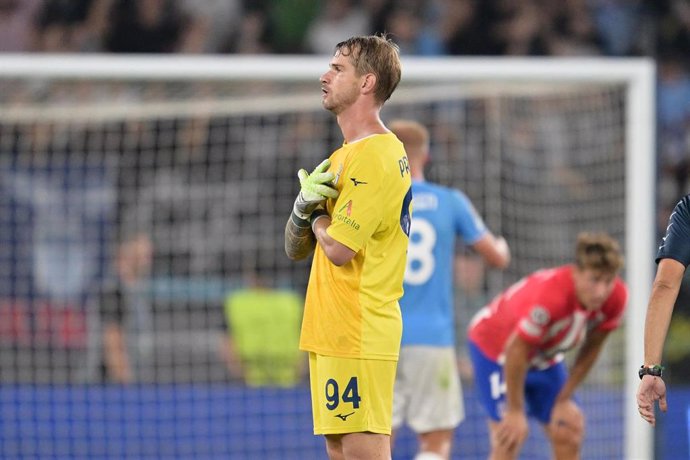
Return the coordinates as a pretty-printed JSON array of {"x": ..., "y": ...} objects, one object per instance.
[{"x": 672, "y": 258}]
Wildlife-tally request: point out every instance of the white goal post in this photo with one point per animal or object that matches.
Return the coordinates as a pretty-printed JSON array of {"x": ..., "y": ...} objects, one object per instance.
[{"x": 433, "y": 78}]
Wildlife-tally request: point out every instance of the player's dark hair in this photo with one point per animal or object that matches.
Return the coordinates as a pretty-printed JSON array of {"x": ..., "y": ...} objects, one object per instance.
[
  {"x": 598, "y": 251},
  {"x": 375, "y": 54}
]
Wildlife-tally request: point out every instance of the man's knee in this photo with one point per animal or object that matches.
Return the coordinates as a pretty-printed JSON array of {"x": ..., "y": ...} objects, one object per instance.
[
  {"x": 334, "y": 447},
  {"x": 360, "y": 445},
  {"x": 568, "y": 431}
]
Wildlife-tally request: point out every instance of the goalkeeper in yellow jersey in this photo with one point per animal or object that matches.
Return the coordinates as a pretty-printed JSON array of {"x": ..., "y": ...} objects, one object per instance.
[{"x": 353, "y": 211}]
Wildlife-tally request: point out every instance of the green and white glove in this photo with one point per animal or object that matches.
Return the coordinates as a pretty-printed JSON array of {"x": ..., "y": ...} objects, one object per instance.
[{"x": 316, "y": 188}]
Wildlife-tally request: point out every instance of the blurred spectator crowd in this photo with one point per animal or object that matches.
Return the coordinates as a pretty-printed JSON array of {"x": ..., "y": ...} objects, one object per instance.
[
  {"x": 655, "y": 28},
  {"x": 421, "y": 27}
]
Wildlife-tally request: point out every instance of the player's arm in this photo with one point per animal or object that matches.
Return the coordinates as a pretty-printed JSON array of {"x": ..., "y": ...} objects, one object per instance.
[
  {"x": 667, "y": 281},
  {"x": 336, "y": 240},
  {"x": 337, "y": 253},
  {"x": 516, "y": 352},
  {"x": 315, "y": 188},
  {"x": 665, "y": 289},
  {"x": 469, "y": 224},
  {"x": 586, "y": 357},
  {"x": 513, "y": 427},
  {"x": 299, "y": 239},
  {"x": 493, "y": 249},
  {"x": 673, "y": 257},
  {"x": 566, "y": 416}
]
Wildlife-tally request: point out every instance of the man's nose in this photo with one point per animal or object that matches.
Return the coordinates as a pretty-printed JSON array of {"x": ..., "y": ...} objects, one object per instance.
[{"x": 326, "y": 76}]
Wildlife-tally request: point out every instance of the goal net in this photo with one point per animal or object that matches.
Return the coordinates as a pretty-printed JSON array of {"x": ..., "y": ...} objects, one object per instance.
[{"x": 137, "y": 195}]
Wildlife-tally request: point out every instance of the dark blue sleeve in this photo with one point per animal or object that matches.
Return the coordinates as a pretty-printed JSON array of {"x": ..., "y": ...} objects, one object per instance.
[{"x": 676, "y": 243}]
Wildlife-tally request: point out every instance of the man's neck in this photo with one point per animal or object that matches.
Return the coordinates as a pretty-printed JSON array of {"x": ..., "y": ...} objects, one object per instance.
[{"x": 358, "y": 124}]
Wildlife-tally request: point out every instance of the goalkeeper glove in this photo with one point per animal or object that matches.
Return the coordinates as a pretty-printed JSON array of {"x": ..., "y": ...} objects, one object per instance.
[{"x": 315, "y": 189}]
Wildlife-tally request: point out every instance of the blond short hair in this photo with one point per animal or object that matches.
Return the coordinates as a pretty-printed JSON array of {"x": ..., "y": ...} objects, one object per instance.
[
  {"x": 375, "y": 54},
  {"x": 599, "y": 252}
]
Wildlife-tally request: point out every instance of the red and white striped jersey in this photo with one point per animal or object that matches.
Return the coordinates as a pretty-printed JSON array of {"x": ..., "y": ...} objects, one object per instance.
[{"x": 543, "y": 310}]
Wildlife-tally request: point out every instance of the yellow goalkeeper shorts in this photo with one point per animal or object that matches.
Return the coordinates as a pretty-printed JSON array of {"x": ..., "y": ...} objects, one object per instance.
[{"x": 351, "y": 395}]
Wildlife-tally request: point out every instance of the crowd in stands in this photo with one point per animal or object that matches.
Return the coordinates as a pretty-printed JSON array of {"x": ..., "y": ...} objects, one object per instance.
[
  {"x": 620, "y": 28},
  {"x": 421, "y": 27}
]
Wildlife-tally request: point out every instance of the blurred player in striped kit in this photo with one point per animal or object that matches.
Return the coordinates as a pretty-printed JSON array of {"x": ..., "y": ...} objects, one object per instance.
[
  {"x": 518, "y": 340},
  {"x": 428, "y": 396}
]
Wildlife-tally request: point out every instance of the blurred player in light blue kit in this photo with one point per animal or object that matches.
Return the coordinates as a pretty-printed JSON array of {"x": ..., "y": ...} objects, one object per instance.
[{"x": 428, "y": 396}]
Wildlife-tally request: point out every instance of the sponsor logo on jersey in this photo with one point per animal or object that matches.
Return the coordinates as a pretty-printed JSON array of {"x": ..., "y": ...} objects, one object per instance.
[
  {"x": 346, "y": 220},
  {"x": 348, "y": 207},
  {"x": 539, "y": 315},
  {"x": 344, "y": 417}
]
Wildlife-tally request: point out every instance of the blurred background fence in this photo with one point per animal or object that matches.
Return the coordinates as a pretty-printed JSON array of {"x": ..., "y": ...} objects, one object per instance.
[
  {"x": 132, "y": 206},
  {"x": 143, "y": 215}
]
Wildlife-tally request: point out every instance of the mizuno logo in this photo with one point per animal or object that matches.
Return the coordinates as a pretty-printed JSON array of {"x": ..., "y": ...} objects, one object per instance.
[
  {"x": 357, "y": 182},
  {"x": 344, "y": 417}
]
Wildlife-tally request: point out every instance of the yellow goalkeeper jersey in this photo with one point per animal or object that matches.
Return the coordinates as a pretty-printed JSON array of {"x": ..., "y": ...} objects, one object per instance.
[{"x": 352, "y": 311}]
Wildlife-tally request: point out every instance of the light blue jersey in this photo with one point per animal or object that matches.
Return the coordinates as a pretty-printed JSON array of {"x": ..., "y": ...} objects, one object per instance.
[{"x": 440, "y": 214}]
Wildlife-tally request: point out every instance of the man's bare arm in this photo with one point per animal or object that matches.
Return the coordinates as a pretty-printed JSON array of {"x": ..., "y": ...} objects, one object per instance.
[
  {"x": 337, "y": 253},
  {"x": 586, "y": 357},
  {"x": 494, "y": 250},
  {"x": 669, "y": 276},
  {"x": 299, "y": 239},
  {"x": 516, "y": 366}
]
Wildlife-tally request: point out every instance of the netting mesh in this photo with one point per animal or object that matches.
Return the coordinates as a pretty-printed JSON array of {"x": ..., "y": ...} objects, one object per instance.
[{"x": 205, "y": 172}]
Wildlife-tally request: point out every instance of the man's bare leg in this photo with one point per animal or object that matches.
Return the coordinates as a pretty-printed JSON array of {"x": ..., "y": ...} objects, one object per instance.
[
  {"x": 358, "y": 446},
  {"x": 436, "y": 442}
]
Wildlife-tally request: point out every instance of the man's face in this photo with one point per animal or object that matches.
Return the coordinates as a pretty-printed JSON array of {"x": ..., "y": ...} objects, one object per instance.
[
  {"x": 593, "y": 287},
  {"x": 340, "y": 84}
]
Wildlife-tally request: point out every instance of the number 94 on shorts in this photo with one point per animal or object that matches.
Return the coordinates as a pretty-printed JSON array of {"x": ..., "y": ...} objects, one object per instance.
[{"x": 351, "y": 395}]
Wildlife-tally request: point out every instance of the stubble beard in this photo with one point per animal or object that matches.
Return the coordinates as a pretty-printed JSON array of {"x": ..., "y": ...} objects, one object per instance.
[
  {"x": 330, "y": 107},
  {"x": 337, "y": 106}
]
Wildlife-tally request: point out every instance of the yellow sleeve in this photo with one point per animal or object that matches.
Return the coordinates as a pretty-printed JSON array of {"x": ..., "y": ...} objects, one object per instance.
[{"x": 356, "y": 215}]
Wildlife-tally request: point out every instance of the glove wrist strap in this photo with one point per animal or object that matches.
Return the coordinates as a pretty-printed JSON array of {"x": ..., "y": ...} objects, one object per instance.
[
  {"x": 299, "y": 214},
  {"x": 299, "y": 221},
  {"x": 316, "y": 215}
]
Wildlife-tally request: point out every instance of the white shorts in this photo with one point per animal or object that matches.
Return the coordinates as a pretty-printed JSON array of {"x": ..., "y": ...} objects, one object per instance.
[{"x": 427, "y": 394}]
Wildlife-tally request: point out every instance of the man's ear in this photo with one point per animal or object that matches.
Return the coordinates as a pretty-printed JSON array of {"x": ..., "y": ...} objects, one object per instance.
[{"x": 368, "y": 83}]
